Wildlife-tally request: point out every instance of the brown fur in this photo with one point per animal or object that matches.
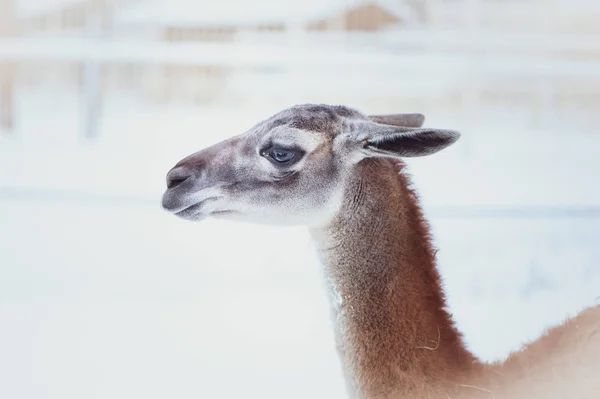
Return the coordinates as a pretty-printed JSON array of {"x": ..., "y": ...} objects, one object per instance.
[
  {"x": 394, "y": 334},
  {"x": 396, "y": 338}
]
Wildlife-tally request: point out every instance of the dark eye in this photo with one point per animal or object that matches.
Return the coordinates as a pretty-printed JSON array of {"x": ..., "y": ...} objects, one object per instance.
[{"x": 281, "y": 156}]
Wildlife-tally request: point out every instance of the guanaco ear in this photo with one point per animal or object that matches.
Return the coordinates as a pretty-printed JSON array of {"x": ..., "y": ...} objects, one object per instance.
[
  {"x": 407, "y": 142},
  {"x": 407, "y": 120}
]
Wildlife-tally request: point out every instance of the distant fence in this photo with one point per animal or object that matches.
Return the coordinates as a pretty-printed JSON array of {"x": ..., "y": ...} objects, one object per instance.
[
  {"x": 426, "y": 63},
  {"x": 252, "y": 55}
]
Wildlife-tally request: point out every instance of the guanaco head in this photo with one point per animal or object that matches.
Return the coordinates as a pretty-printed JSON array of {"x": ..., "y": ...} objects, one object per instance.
[{"x": 291, "y": 168}]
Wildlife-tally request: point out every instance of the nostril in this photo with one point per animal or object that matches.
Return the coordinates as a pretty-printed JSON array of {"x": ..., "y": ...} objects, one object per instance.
[
  {"x": 177, "y": 176},
  {"x": 175, "y": 182}
]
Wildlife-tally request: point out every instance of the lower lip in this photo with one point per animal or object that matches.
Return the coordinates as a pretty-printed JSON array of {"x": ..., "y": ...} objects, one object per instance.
[{"x": 191, "y": 210}]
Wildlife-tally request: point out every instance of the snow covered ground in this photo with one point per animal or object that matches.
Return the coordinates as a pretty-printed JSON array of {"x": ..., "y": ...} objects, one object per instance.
[{"x": 104, "y": 295}]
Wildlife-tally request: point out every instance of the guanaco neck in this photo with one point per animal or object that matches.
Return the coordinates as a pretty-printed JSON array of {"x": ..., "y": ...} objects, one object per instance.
[{"x": 393, "y": 333}]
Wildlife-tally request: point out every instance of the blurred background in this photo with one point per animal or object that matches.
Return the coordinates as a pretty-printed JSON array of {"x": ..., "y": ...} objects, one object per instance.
[{"x": 104, "y": 295}]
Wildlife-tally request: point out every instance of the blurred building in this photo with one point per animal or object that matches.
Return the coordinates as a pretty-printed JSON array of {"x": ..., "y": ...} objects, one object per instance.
[
  {"x": 265, "y": 22},
  {"x": 452, "y": 55},
  {"x": 184, "y": 21}
]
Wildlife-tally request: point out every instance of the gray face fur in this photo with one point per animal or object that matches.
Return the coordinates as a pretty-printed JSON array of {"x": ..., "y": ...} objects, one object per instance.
[{"x": 241, "y": 179}]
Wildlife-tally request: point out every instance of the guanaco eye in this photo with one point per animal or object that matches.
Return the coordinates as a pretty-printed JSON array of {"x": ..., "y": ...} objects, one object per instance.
[{"x": 282, "y": 156}]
